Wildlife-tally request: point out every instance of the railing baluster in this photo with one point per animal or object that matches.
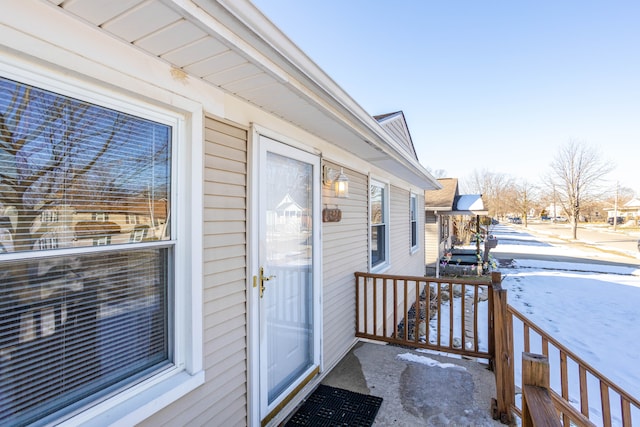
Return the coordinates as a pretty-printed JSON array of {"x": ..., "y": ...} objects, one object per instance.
[
  {"x": 584, "y": 392},
  {"x": 366, "y": 304},
  {"x": 375, "y": 307},
  {"x": 564, "y": 384},
  {"x": 406, "y": 312},
  {"x": 384, "y": 309},
  {"x": 450, "y": 315},
  {"x": 527, "y": 347},
  {"x": 417, "y": 313},
  {"x": 626, "y": 412},
  {"x": 427, "y": 310},
  {"x": 358, "y": 325},
  {"x": 439, "y": 315},
  {"x": 395, "y": 308},
  {"x": 606, "y": 406},
  {"x": 476, "y": 313},
  {"x": 463, "y": 317}
]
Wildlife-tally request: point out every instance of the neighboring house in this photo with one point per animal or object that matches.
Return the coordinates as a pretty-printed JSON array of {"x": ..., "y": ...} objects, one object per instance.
[
  {"x": 630, "y": 210},
  {"x": 450, "y": 218},
  {"x": 172, "y": 159}
]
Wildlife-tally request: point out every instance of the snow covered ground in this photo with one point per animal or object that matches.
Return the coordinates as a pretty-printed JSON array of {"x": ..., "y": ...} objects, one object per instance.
[{"x": 592, "y": 309}]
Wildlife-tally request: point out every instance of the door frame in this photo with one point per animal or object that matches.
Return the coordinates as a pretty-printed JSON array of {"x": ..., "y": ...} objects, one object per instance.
[{"x": 255, "y": 411}]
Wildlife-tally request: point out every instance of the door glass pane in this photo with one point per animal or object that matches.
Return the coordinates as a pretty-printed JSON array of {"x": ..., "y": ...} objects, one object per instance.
[{"x": 289, "y": 251}]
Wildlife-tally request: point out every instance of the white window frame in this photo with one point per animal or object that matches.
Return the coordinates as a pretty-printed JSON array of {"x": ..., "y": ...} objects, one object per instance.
[
  {"x": 413, "y": 206},
  {"x": 140, "y": 400},
  {"x": 384, "y": 265}
]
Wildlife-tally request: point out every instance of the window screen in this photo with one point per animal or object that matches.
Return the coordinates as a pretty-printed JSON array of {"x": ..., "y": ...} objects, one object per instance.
[{"x": 85, "y": 251}]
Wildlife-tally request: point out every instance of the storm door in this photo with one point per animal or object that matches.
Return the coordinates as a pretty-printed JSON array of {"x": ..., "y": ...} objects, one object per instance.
[{"x": 287, "y": 276}]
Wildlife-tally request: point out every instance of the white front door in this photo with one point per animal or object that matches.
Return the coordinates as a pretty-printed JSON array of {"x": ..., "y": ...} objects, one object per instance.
[{"x": 287, "y": 284}]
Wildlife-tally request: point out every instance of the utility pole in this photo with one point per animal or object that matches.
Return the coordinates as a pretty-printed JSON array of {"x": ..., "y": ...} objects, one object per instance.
[
  {"x": 615, "y": 208},
  {"x": 554, "y": 203}
]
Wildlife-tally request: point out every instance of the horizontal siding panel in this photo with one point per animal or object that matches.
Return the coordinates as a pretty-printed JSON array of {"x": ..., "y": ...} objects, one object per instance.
[
  {"x": 225, "y": 129},
  {"x": 231, "y": 265},
  {"x": 219, "y": 227},
  {"x": 223, "y": 290},
  {"x": 227, "y": 190},
  {"x": 211, "y": 335},
  {"x": 232, "y": 410},
  {"x": 230, "y": 343},
  {"x": 215, "y": 241},
  {"x": 232, "y": 200},
  {"x": 223, "y": 302},
  {"x": 220, "y": 317},
  {"x": 225, "y": 140},
  {"x": 204, "y": 405},
  {"x": 228, "y": 153},
  {"x": 226, "y": 252},
  {"x": 219, "y": 363},
  {"x": 225, "y": 165},
  {"x": 218, "y": 176},
  {"x": 224, "y": 214}
]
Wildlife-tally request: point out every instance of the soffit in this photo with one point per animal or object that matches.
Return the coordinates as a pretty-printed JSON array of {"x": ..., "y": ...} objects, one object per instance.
[{"x": 232, "y": 46}]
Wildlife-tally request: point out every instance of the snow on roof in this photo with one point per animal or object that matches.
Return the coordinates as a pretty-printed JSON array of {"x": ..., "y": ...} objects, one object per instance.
[{"x": 470, "y": 204}]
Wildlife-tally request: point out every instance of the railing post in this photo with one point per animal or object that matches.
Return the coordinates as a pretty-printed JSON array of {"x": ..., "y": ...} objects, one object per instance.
[
  {"x": 537, "y": 406},
  {"x": 502, "y": 359}
]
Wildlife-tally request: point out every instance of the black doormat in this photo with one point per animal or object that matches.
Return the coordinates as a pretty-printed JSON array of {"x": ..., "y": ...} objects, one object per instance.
[{"x": 330, "y": 406}]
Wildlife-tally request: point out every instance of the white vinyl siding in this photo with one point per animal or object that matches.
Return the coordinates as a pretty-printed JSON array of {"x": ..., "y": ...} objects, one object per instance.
[
  {"x": 431, "y": 243},
  {"x": 224, "y": 287},
  {"x": 344, "y": 246},
  {"x": 403, "y": 260}
]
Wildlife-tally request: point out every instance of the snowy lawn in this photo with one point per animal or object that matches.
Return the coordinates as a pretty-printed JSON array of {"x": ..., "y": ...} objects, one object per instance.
[{"x": 593, "y": 310}]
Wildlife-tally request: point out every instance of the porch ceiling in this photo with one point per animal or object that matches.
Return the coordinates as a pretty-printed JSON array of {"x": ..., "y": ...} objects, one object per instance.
[{"x": 230, "y": 44}]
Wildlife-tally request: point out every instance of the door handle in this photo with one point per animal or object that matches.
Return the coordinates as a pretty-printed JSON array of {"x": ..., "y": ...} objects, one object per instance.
[{"x": 262, "y": 279}]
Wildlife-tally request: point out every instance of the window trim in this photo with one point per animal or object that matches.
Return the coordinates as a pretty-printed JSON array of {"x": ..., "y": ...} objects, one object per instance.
[
  {"x": 140, "y": 400},
  {"x": 413, "y": 205},
  {"x": 383, "y": 265}
]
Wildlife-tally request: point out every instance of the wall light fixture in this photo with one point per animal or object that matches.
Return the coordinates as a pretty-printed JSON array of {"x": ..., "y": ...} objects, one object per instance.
[{"x": 337, "y": 180}]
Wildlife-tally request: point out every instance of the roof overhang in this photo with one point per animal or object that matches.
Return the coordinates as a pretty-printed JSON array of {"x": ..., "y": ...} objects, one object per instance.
[{"x": 231, "y": 45}]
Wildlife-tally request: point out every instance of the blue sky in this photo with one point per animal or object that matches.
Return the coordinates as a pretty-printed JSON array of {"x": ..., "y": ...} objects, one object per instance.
[{"x": 496, "y": 85}]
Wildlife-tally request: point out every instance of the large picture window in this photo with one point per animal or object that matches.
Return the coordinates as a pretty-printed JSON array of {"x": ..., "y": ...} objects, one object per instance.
[
  {"x": 86, "y": 251},
  {"x": 379, "y": 224}
]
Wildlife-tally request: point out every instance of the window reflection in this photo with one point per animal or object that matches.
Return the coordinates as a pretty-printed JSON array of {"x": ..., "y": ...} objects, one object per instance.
[{"x": 77, "y": 174}]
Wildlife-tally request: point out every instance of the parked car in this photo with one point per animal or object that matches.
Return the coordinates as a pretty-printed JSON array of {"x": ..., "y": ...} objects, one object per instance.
[
  {"x": 515, "y": 220},
  {"x": 619, "y": 221}
]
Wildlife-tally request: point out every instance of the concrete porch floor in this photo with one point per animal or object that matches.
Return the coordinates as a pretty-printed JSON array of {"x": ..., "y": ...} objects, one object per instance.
[{"x": 414, "y": 393}]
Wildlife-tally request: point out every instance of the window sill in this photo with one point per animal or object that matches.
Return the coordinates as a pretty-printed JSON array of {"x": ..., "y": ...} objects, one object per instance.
[
  {"x": 380, "y": 268},
  {"x": 138, "y": 403}
]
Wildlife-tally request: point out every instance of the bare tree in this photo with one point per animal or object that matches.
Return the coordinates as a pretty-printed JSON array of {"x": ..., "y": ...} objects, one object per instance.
[
  {"x": 493, "y": 187},
  {"x": 577, "y": 174},
  {"x": 524, "y": 194}
]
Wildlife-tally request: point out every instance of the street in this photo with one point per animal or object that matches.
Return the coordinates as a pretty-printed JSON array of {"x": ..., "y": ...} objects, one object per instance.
[{"x": 598, "y": 244}]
